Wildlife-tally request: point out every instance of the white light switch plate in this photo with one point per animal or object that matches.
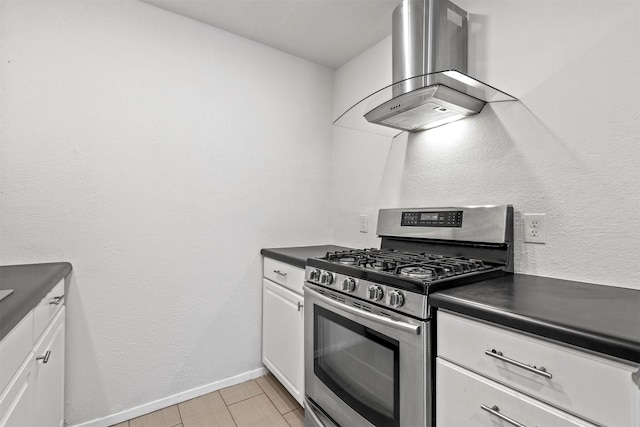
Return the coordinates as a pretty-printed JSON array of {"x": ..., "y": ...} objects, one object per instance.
[{"x": 364, "y": 223}]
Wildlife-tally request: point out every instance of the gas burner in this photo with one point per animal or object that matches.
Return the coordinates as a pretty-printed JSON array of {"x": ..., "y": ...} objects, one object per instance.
[
  {"x": 347, "y": 260},
  {"x": 373, "y": 265},
  {"x": 377, "y": 264},
  {"x": 414, "y": 272}
]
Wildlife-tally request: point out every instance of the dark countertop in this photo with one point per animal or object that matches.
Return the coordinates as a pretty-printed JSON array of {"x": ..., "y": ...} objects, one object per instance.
[
  {"x": 603, "y": 319},
  {"x": 30, "y": 283},
  {"x": 297, "y": 256}
]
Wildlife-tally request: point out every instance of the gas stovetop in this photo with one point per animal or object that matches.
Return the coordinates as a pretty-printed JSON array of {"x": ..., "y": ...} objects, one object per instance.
[
  {"x": 422, "y": 251},
  {"x": 421, "y": 273},
  {"x": 421, "y": 267}
]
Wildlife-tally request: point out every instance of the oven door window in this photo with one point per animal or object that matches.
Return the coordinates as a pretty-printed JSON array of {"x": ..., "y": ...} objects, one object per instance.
[{"x": 360, "y": 365}]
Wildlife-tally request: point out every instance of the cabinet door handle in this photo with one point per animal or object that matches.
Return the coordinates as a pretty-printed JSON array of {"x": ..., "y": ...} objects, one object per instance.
[
  {"x": 498, "y": 355},
  {"x": 44, "y": 358},
  {"x": 280, "y": 273},
  {"x": 494, "y": 410},
  {"x": 300, "y": 306},
  {"x": 57, "y": 300}
]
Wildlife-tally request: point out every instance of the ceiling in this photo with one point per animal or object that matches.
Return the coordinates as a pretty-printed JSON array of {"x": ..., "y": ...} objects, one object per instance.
[{"x": 327, "y": 32}]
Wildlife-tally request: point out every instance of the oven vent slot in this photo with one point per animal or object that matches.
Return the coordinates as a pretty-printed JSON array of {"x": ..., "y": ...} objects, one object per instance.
[
  {"x": 361, "y": 307},
  {"x": 385, "y": 314},
  {"x": 337, "y": 298}
]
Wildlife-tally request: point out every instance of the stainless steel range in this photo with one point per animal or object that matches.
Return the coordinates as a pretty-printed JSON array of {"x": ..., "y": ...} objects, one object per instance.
[{"x": 368, "y": 328}]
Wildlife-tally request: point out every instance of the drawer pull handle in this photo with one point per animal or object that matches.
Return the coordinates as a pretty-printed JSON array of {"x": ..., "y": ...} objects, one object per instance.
[
  {"x": 57, "y": 300},
  {"x": 498, "y": 355},
  {"x": 280, "y": 273},
  {"x": 300, "y": 306},
  {"x": 44, "y": 358},
  {"x": 494, "y": 410}
]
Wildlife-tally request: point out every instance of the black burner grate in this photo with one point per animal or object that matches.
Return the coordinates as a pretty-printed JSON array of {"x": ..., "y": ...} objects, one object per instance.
[{"x": 424, "y": 267}]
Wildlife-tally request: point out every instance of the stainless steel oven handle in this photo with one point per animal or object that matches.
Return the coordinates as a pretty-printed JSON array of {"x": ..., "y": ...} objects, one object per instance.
[{"x": 403, "y": 326}]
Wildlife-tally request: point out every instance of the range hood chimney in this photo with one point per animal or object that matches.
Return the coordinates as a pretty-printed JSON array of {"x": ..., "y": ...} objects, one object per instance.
[
  {"x": 427, "y": 36},
  {"x": 429, "y": 41}
]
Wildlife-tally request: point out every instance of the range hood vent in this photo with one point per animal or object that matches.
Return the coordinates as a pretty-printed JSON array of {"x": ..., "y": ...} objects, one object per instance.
[{"x": 430, "y": 87}]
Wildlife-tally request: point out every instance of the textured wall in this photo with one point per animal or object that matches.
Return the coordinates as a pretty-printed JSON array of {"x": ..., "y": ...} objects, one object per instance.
[
  {"x": 157, "y": 155},
  {"x": 569, "y": 148}
]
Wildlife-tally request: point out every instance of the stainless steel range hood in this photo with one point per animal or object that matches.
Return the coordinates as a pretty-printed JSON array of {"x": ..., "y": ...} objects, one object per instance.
[
  {"x": 425, "y": 108},
  {"x": 430, "y": 87}
]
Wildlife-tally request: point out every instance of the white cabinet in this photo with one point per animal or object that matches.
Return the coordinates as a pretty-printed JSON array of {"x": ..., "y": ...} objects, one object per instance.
[
  {"x": 14, "y": 348},
  {"x": 283, "y": 325},
  {"x": 33, "y": 389},
  {"x": 527, "y": 378},
  {"x": 49, "y": 374},
  {"x": 17, "y": 400}
]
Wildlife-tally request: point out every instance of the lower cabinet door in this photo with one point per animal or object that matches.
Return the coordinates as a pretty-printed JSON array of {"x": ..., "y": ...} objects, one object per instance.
[
  {"x": 466, "y": 399},
  {"x": 282, "y": 336},
  {"x": 49, "y": 375},
  {"x": 17, "y": 401}
]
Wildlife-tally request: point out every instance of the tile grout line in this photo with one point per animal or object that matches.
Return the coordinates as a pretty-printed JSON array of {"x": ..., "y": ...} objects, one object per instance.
[
  {"x": 180, "y": 414},
  {"x": 229, "y": 411},
  {"x": 250, "y": 397},
  {"x": 267, "y": 394},
  {"x": 274, "y": 405},
  {"x": 225, "y": 403},
  {"x": 292, "y": 411}
]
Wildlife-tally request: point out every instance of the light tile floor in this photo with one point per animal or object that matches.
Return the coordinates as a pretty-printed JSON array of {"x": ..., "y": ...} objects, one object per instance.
[{"x": 259, "y": 402}]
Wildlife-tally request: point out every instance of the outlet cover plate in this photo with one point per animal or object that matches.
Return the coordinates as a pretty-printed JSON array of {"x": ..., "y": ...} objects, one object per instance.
[{"x": 535, "y": 228}]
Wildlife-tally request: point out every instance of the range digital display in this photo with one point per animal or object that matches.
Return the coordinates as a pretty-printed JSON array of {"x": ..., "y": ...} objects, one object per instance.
[
  {"x": 428, "y": 216},
  {"x": 432, "y": 219}
]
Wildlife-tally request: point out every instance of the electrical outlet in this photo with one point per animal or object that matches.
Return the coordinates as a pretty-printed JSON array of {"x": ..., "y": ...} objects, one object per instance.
[
  {"x": 364, "y": 223},
  {"x": 535, "y": 228}
]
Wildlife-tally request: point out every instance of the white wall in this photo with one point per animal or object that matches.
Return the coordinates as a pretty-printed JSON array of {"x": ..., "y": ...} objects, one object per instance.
[
  {"x": 158, "y": 155},
  {"x": 569, "y": 148}
]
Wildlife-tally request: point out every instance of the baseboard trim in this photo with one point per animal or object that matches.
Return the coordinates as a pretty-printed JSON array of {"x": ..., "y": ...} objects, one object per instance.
[{"x": 171, "y": 400}]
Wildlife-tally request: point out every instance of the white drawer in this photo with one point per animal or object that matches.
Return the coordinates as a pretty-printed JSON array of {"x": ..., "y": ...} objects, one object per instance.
[
  {"x": 14, "y": 349},
  {"x": 47, "y": 308},
  {"x": 284, "y": 274},
  {"x": 466, "y": 399},
  {"x": 592, "y": 387}
]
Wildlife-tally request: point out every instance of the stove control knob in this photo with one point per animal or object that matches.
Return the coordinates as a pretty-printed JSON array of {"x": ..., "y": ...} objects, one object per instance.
[
  {"x": 326, "y": 278},
  {"x": 314, "y": 275},
  {"x": 375, "y": 293},
  {"x": 348, "y": 284},
  {"x": 395, "y": 299}
]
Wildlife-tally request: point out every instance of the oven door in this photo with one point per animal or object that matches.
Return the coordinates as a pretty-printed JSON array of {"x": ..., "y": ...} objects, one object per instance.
[{"x": 363, "y": 368}]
